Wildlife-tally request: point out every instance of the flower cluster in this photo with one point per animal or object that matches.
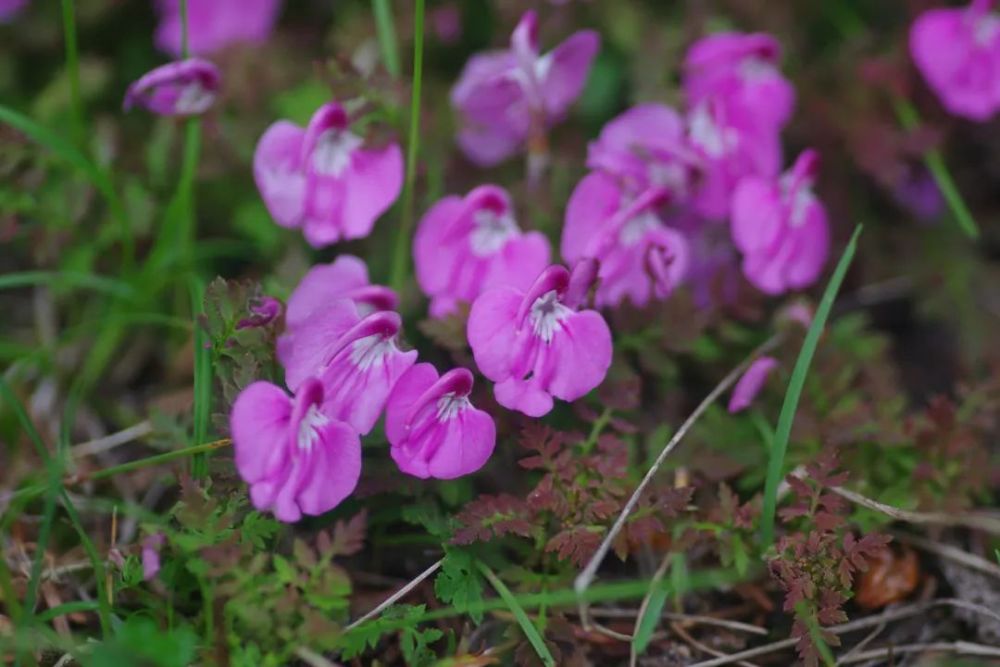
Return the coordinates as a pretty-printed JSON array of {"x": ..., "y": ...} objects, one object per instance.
[{"x": 301, "y": 454}]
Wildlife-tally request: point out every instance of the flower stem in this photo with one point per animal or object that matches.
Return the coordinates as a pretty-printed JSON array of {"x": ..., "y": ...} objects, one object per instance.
[
  {"x": 400, "y": 258},
  {"x": 934, "y": 162}
]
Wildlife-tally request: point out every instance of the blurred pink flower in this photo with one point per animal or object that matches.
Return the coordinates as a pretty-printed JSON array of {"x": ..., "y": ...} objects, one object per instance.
[
  {"x": 151, "y": 555},
  {"x": 781, "y": 228},
  {"x": 465, "y": 246},
  {"x": 537, "y": 346},
  {"x": 446, "y": 20},
  {"x": 182, "y": 88},
  {"x": 504, "y": 96},
  {"x": 750, "y": 383},
  {"x": 640, "y": 257},
  {"x": 344, "y": 278},
  {"x": 321, "y": 180},
  {"x": 10, "y": 8},
  {"x": 741, "y": 69},
  {"x": 215, "y": 24},
  {"x": 355, "y": 358},
  {"x": 958, "y": 53},
  {"x": 646, "y": 146},
  {"x": 732, "y": 144},
  {"x": 432, "y": 426},
  {"x": 296, "y": 457}
]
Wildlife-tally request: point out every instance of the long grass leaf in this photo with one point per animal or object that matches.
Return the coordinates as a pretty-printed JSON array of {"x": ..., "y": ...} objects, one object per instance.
[
  {"x": 527, "y": 627},
  {"x": 776, "y": 464},
  {"x": 68, "y": 279},
  {"x": 388, "y": 43}
]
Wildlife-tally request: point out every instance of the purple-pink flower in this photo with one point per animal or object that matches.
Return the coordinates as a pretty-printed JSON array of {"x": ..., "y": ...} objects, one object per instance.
[
  {"x": 356, "y": 359},
  {"x": 464, "y": 246},
  {"x": 537, "y": 345},
  {"x": 322, "y": 180},
  {"x": 646, "y": 146},
  {"x": 151, "y": 555},
  {"x": 640, "y": 257},
  {"x": 750, "y": 383},
  {"x": 432, "y": 426},
  {"x": 741, "y": 69},
  {"x": 781, "y": 229},
  {"x": 958, "y": 53},
  {"x": 183, "y": 88},
  {"x": 344, "y": 278},
  {"x": 297, "y": 458},
  {"x": 215, "y": 24},
  {"x": 10, "y": 8},
  {"x": 731, "y": 144},
  {"x": 506, "y": 96}
]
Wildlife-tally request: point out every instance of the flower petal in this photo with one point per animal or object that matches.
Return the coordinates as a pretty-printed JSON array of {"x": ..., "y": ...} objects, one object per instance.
[
  {"x": 750, "y": 383},
  {"x": 492, "y": 331},
  {"x": 581, "y": 350},
  {"x": 567, "y": 68},
  {"x": 259, "y": 423},
  {"x": 276, "y": 170},
  {"x": 372, "y": 184},
  {"x": 334, "y": 467},
  {"x": 323, "y": 283},
  {"x": 308, "y": 349},
  {"x": 594, "y": 200}
]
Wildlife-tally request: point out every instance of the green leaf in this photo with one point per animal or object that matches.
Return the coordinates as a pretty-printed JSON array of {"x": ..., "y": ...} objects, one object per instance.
[
  {"x": 776, "y": 464},
  {"x": 139, "y": 642},
  {"x": 460, "y": 585}
]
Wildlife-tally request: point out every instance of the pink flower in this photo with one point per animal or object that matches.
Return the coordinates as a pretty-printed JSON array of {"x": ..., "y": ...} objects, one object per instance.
[
  {"x": 732, "y": 144},
  {"x": 10, "y": 8},
  {"x": 215, "y": 24},
  {"x": 504, "y": 96},
  {"x": 750, "y": 383},
  {"x": 465, "y": 246},
  {"x": 297, "y": 458},
  {"x": 781, "y": 229},
  {"x": 537, "y": 345},
  {"x": 355, "y": 358},
  {"x": 640, "y": 257},
  {"x": 182, "y": 88},
  {"x": 321, "y": 180},
  {"x": 433, "y": 428},
  {"x": 646, "y": 146},
  {"x": 263, "y": 311},
  {"x": 958, "y": 53},
  {"x": 344, "y": 278},
  {"x": 741, "y": 69},
  {"x": 151, "y": 555}
]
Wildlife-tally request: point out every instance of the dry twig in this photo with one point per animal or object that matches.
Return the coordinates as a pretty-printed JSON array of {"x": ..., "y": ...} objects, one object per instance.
[{"x": 391, "y": 600}]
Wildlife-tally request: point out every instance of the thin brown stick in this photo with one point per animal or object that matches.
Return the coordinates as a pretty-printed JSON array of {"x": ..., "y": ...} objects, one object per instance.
[
  {"x": 950, "y": 552},
  {"x": 852, "y": 626},
  {"x": 704, "y": 648},
  {"x": 391, "y": 600},
  {"x": 687, "y": 619},
  {"x": 108, "y": 442},
  {"x": 586, "y": 576},
  {"x": 960, "y": 647},
  {"x": 987, "y": 522},
  {"x": 312, "y": 658}
]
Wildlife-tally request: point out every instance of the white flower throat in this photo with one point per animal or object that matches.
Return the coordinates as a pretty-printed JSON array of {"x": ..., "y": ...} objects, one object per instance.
[
  {"x": 332, "y": 154},
  {"x": 371, "y": 351},
  {"x": 491, "y": 232},
  {"x": 450, "y": 405},
  {"x": 194, "y": 99},
  {"x": 546, "y": 313},
  {"x": 310, "y": 426},
  {"x": 705, "y": 132}
]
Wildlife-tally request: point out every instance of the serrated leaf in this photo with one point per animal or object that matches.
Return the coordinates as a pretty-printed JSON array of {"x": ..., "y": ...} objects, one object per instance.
[{"x": 460, "y": 585}]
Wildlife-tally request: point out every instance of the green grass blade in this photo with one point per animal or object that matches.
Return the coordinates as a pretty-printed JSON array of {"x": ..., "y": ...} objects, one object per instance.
[
  {"x": 67, "y": 608},
  {"x": 385, "y": 27},
  {"x": 527, "y": 627},
  {"x": 401, "y": 256},
  {"x": 934, "y": 162},
  {"x": 60, "y": 279},
  {"x": 650, "y": 618},
  {"x": 202, "y": 381},
  {"x": 73, "y": 70},
  {"x": 776, "y": 464},
  {"x": 103, "y": 596}
]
